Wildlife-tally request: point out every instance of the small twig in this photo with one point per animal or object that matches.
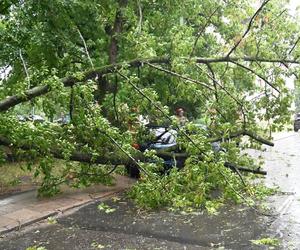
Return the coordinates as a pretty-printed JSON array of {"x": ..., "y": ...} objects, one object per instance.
[
  {"x": 217, "y": 109},
  {"x": 241, "y": 196},
  {"x": 101, "y": 175},
  {"x": 180, "y": 76},
  {"x": 201, "y": 30},
  {"x": 240, "y": 175},
  {"x": 125, "y": 152},
  {"x": 140, "y": 16},
  {"x": 220, "y": 85},
  {"x": 85, "y": 47},
  {"x": 214, "y": 81},
  {"x": 275, "y": 19},
  {"x": 248, "y": 28},
  {"x": 228, "y": 93},
  {"x": 290, "y": 51},
  {"x": 25, "y": 68},
  {"x": 294, "y": 46}
]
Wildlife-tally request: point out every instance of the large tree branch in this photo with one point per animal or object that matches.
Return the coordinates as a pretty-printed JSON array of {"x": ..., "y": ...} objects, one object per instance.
[
  {"x": 27, "y": 96},
  {"x": 246, "y": 59},
  {"x": 111, "y": 159},
  {"x": 92, "y": 74},
  {"x": 242, "y": 133},
  {"x": 12, "y": 101}
]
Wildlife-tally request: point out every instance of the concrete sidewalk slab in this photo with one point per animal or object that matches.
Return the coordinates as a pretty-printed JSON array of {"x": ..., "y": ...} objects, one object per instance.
[{"x": 26, "y": 208}]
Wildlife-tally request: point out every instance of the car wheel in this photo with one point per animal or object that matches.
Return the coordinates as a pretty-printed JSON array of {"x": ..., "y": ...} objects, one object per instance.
[
  {"x": 296, "y": 129},
  {"x": 132, "y": 171}
]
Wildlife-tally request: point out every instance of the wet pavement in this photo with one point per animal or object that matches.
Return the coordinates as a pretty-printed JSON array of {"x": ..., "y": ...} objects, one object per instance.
[
  {"x": 283, "y": 165},
  {"x": 123, "y": 226},
  {"x": 129, "y": 228},
  {"x": 19, "y": 210}
]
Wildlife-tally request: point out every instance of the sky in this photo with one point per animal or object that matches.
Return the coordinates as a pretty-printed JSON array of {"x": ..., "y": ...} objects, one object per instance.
[{"x": 293, "y": 6}]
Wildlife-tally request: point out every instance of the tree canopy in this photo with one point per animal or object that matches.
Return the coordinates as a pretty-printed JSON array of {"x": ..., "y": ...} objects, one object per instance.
[{"x": 105, "y": 63}]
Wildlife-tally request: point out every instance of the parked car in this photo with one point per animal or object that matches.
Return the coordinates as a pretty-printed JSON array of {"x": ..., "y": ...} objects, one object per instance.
[
  {"x": 36, "y": 118},
  {"x": 297, "y": 122},
  {"x": 165, "y": 145},
  {"x": 63, "y": 120},
  {"x": 32, "y": 118}
]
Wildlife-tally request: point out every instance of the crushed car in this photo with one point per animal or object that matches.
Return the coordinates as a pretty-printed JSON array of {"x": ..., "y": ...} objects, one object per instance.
[{"x": 166, "y": 147}]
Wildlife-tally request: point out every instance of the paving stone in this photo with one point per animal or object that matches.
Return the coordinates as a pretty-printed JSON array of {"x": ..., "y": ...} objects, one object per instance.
[
  {"x": 42, "y": 206},
  {"x": 80, "y": 197},
  {"x": 8, "y": 208},
  {"x": 104, "y": 194},
  {"x": 24, "y": 215},
  {"x": 5, "y": 221}
]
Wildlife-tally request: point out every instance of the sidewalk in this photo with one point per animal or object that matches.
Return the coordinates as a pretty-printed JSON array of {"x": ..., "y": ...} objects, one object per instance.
[{"x": 23, "y": 209}]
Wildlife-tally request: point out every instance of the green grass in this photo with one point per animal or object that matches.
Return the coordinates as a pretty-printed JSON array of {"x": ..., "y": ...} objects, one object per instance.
[{"x": 13, "y": 174}]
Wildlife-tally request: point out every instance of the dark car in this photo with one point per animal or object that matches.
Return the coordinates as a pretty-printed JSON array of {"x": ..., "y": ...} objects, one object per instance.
[{"x": 297, "y": 122}]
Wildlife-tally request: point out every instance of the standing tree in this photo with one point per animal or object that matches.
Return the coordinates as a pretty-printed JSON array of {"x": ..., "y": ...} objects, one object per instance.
[{"x": 106, "y": 63}]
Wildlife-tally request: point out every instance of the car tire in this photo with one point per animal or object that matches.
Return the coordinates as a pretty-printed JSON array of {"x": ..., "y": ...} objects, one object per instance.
[
  {"x": 132, "y": 171},
  {"x": 296, "y": 129}
]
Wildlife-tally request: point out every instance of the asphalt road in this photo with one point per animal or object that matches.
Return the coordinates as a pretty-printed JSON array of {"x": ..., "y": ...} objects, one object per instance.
[
  {"x": 129, "y": 228},
  {"x": 283, "y": 165}
]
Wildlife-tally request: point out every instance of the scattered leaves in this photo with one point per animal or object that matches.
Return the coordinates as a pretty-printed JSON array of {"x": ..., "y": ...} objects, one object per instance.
[
  {"x": 51, "y": 220},
  {"x": 266, "y": 241},
  {"x": 107, "y": 209},
  {"x": 97, "y": 245},
  {"x": 36, "y": 248}
]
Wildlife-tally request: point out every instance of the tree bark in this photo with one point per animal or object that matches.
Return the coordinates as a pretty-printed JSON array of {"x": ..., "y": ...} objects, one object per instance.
[
  {"x": 241, "y": 133},
  {"x": 111, "y": 159},
  {"x": 12, "y": 101},
  {"x": 103, "y": 84}
]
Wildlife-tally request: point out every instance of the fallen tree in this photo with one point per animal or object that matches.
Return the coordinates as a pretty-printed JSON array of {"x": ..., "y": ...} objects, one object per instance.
[
  {"x": 211, "y": 58},
  {"x": 30, "y": 94}
]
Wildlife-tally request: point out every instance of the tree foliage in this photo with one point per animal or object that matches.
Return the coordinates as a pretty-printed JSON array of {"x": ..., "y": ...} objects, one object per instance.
[{"x": 107, "y": 63}]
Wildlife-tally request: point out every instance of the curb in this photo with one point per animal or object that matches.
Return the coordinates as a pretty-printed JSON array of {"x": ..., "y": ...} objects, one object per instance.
[{"x": 58, "y": 211}]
